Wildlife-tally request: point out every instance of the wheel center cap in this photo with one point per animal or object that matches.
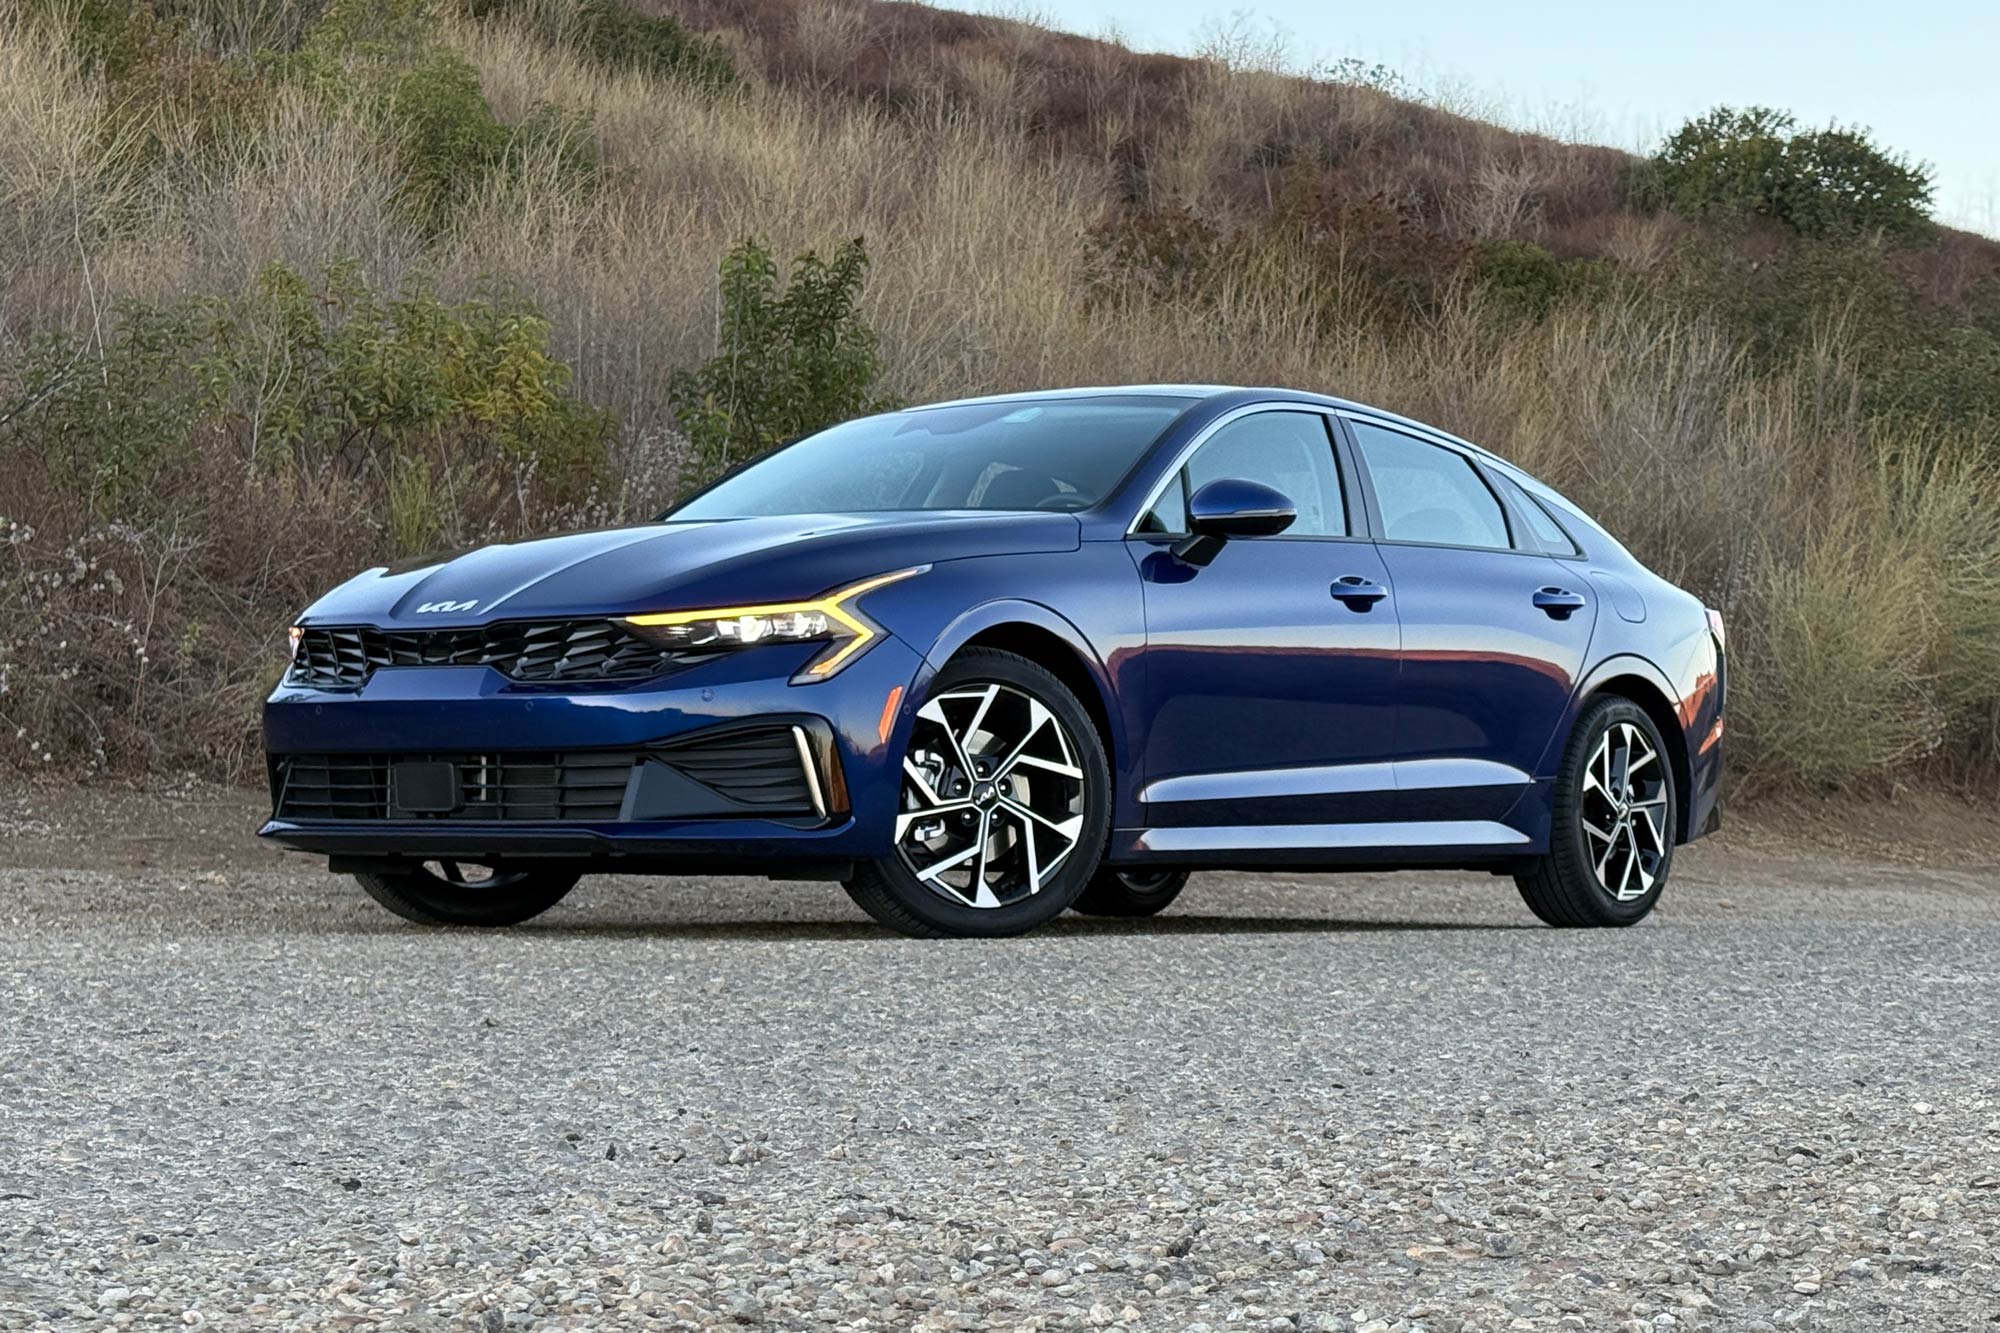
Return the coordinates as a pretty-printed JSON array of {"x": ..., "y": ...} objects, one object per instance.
[{"x": 984, "y": 795}]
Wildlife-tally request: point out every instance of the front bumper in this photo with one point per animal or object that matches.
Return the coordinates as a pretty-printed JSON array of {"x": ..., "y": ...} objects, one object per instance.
[{"x": 422, "y": 713}]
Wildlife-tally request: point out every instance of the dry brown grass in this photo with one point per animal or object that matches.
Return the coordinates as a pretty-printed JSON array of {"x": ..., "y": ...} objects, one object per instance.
[{"x": 975, "y": 157}]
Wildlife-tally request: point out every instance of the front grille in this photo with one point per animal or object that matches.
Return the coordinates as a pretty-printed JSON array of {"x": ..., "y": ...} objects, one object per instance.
[
  {"x": 745, "y": 771},
  {"x": 554, "y": 650},
  {"x": 586, "y": 785}
]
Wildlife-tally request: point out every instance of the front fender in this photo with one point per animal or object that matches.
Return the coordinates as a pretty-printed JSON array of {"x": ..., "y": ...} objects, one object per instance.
[
  {"x": 1086, "y": 606},
  {"x": 1015, "y": 611}
]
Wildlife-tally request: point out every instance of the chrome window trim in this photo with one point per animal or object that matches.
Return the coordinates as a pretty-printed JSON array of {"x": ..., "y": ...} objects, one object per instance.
[
  {"x": 1188, "y": 451},
  {"x": 1474, "y": 459}
]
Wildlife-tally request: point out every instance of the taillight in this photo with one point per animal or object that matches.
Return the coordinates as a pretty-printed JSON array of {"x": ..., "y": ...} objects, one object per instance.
[{"x": 1715, "y": 628}]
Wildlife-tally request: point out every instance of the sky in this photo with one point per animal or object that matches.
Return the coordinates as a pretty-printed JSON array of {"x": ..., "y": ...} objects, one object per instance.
[{"x": 1924, "y": 79}]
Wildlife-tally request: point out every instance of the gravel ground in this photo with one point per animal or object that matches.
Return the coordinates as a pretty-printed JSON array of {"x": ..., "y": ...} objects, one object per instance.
[{"x": 244, "y": 1098}]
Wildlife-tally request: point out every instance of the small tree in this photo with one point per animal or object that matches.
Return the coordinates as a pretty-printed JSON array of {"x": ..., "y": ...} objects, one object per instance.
[
  {"x": 786, "y": 363},
  {"x": 1756, "y": 162}
]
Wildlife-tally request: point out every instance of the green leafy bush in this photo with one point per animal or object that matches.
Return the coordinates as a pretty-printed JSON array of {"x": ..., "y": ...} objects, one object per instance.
[
  {"x": 328, "y": 376},
  {"x": 114, "y": 38},
  {"x": 448, "y": 137},
  {"x": 1734, "y": 163},
  {"x": 98, "y": 415},
  {"x": 787, "y": 362},
  {"x": 385, "y": 54},
  {"x": 1912, "y": 357},
  {"x": 1520, "y": 275},
  {"x": 620, "y": 37}
]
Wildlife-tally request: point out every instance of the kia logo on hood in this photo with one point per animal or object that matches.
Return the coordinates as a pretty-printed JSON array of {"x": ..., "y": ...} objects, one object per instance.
[{"x": 429, "y": 607}]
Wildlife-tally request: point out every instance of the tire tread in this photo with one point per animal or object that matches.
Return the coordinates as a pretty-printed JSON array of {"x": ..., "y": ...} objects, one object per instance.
[
  {"x": 1560, "y": 887},
  {"x": 877, "y": 886}
]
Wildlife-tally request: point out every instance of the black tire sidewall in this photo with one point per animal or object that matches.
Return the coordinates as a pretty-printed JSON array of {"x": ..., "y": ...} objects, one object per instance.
[
  {"x": 419, "y": 896},
  {"x": 1108, "y": 894},
  {"x": 935, "y": 915},
  {"x": 1573, "y": 852}
]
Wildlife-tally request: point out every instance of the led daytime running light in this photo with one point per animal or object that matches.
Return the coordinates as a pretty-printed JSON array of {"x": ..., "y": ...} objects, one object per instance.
[{"x": 859, "y": 631}]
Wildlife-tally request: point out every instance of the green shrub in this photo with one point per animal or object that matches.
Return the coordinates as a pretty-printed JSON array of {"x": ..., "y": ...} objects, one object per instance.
[
  {"x": 786, "y": 363},
  {"x": 114, "y": 38},
  {"x": 380, "y": 29},
  {"x": 385, "y": 54},
  {"x": 326, "y": 376},
  {"x": 620, "y": 37},
  {"x": 1912, "y": 358},
  {"x": 1757, "y": 162},
  {"x": 1521, "y": 275},
  {"x": 448, "y": 137},
  {"x": 98, "y": 415}
]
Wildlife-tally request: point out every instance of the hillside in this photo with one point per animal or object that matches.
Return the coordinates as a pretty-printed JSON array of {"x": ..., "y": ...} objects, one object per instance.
[{"x": 301, "y": 288}]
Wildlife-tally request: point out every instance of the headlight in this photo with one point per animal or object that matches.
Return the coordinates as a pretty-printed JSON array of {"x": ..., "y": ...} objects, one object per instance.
[
  {"x": 295, "y": 633},
  {"x": 833, "y": 618}
]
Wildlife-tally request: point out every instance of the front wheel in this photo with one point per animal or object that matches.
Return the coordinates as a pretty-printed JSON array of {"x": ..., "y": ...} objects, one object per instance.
[
  {"x": 1611, "y": 835},
  {"x": 1004, "y": 807},
  {"x": 461, "y": 893}
]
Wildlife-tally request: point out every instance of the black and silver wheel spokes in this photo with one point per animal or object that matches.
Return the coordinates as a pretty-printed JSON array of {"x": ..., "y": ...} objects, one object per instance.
[
  {"x": 1624, "y": 812},
  {"x": 993, "y": 793}
]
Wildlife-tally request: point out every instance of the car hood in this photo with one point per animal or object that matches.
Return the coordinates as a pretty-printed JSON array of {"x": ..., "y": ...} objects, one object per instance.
[{"x": 663, "y": 566}]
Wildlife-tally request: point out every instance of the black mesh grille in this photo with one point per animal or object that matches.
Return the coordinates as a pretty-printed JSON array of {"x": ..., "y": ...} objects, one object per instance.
[
  {"x": 331, "y": 786},
  {"x": 525, "y": 650},
  {"x": 757, "y": 768},
  {"x": 588, "y": 785}
]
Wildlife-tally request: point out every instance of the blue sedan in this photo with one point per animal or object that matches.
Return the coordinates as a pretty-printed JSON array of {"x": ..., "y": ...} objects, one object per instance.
[{"x": 988, "y": 660}]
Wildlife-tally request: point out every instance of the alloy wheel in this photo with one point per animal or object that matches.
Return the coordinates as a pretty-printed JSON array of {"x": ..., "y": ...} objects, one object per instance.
[
  {"x": 1624, "y": 812},
  {"x": 993, "y": 796}
]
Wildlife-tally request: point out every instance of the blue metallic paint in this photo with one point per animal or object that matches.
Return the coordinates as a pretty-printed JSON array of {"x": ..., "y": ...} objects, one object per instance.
[{"x": 1251, "y": 717}]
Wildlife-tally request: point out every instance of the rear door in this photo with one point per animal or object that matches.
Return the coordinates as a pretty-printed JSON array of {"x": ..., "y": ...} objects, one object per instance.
[{"x": 1494, "y": 631}]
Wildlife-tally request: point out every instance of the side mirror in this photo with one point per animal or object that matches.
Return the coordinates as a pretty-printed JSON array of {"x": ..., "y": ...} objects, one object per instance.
[{"x": 1228, "y": 508}]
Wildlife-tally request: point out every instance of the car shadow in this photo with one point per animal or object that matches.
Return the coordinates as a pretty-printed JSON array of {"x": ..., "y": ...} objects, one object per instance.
[{"x": 1066, "y": 928}]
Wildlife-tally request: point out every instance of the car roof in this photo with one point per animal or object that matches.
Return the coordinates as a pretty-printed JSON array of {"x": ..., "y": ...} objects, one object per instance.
[{"x": 1202, "y": 392}]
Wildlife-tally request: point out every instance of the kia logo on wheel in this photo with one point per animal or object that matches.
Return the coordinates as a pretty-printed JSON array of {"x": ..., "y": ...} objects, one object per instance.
[{"x": 429, "y": 607}]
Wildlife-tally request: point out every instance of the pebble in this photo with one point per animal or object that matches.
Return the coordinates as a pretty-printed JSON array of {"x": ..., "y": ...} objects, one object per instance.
[{"x": 264, "y": 1106}]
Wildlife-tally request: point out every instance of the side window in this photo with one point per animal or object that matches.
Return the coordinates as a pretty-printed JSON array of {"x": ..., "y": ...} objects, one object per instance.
[
  {"x": 1290, "y": 452},
  {"x": 1537, "y": 516},
  {"x": 1427, "y": 493},
  {"x": 1170, "y": 513}
]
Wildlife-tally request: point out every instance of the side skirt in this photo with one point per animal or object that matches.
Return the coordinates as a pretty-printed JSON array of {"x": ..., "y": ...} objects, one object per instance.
[{"x": 1324, "y": 846}]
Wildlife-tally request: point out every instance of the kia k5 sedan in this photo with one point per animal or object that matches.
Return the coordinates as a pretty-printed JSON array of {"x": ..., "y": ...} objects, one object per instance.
[{"x": 987, "y": 660}]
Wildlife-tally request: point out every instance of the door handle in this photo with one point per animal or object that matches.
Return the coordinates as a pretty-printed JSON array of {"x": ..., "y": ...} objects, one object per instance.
[
  {"x": 1358, "y": 593},
  {"x": 1560, "y": 603}
]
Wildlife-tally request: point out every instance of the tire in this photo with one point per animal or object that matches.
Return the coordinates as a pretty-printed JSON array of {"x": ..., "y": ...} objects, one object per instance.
[
  {"x": 1014, "y": 801},
  {"x": 447, "y": 896},
  {"x": 1611, "y": 847},
  {"x": 1114, "y": 892}
]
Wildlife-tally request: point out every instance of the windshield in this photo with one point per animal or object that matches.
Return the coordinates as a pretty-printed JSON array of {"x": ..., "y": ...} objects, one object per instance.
[{"x": 1055, "y": 454}]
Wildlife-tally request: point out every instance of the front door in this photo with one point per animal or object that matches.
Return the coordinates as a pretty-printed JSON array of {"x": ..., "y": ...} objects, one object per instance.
[
  {"x": 1269, "y": 681},
  {"x": 1494, "y": 631}
]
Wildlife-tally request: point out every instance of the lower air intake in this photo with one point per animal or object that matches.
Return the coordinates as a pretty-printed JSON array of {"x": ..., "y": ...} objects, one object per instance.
[{"x": 754, "y": 771}]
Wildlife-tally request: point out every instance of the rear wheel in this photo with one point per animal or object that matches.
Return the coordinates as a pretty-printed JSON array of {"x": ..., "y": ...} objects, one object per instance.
[
  {"x": 465, "y": 893},
  {"x": 1004, "y": 808},
  {"x": 1130, "y": 892},
  {"x": 1611, "y": 835}
]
